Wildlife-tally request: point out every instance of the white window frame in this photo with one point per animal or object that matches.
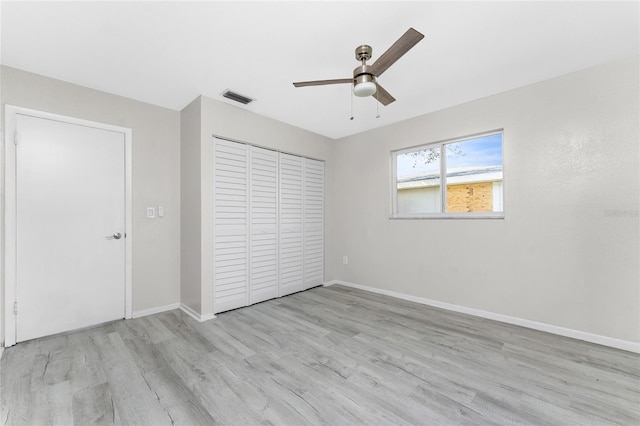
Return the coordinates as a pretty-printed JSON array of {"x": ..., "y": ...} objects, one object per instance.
[{"x": 443, "y": 183}]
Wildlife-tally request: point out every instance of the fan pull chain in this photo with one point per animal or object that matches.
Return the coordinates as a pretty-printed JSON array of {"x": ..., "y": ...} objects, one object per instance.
[
  {"x": 377, "y": 109},
  {"x": 351, "y": 104}
]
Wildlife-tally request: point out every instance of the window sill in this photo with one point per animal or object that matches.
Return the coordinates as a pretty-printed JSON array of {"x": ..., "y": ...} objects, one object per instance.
[{"x": 437, "y": 216}]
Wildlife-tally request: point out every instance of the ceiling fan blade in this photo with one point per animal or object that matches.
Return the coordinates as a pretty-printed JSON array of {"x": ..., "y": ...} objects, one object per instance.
[
  {"x": 323, "y": 82},
  {"x": 383, "y": 96},
  {"x": 395, "y": 52}
]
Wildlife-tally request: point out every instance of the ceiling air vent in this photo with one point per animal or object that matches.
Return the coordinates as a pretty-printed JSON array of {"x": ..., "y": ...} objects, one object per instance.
[{"x": 236, "y": 97}]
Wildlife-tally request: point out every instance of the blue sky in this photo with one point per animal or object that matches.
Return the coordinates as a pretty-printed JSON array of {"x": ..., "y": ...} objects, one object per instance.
[{"x": 483, "y": 151}]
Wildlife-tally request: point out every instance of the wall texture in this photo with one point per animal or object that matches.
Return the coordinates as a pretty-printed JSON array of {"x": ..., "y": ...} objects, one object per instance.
[
  {"x": 241, "y": 124},
  {"x": 560, "y": 256},
  {"x": 156, "y": 171}
]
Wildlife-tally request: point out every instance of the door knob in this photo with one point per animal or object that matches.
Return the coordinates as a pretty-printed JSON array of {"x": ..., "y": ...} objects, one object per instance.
[{"x": 115, "y": 236}]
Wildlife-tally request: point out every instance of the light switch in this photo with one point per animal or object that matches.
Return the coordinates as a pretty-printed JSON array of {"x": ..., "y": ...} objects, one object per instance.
[
  {"x": 160, "y": 211},
  {"x": 151, "y": 212}
]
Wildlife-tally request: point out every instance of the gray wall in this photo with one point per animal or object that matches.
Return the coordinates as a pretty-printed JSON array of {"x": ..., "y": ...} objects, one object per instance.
[
  {"x": 570, "y": 154},
  {"x": 156, "y": 171},
  {"x": 241, "y": 124}
]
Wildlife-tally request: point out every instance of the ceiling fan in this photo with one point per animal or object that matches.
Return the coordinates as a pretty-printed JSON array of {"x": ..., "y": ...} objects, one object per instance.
[{"x": 365, "y": 76}]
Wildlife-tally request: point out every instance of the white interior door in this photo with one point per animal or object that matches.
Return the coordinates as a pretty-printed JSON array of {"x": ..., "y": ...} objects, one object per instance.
[
  {"x": 291, "y": 230},
  {"x": 313, "y": 223},
  {"x": 263, "y": 259},
  {"x": 70, "y": 226},
  {"x": 231, "y": 251}
]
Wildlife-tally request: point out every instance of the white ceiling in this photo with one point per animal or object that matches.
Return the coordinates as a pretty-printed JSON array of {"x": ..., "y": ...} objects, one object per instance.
[{"x": 168, "y": 53}]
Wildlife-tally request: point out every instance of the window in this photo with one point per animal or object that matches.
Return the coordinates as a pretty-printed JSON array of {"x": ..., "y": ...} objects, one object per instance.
[{"x": 450, "y": 179}]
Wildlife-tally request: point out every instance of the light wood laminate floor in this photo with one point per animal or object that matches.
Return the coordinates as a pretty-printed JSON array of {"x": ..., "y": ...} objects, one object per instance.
[{"x": 331, "y": 356}]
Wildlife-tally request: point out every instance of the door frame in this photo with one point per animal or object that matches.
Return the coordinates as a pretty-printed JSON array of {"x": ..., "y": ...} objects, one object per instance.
[{"x": 10, "y": 205}]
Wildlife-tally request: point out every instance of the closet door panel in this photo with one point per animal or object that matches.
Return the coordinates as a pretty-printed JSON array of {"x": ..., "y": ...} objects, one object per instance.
[
  {"x": 231, "y": 220},
  {"x": 291, "y": 224},
  {"x": 263, "y": 225},
  {"x": 313, "y": 223}
]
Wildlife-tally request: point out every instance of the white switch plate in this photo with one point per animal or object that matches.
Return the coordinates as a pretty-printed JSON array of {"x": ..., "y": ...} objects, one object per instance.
[
  {"x": 160, "y": 211},
  {"x": 151, "y": 212},
  {"x": 345, "y": 260}
]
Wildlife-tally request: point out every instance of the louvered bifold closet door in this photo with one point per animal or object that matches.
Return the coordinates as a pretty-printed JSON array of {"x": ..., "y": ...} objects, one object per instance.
[
  {"x": 291, "y": 220},
  {"x": 313, "y": 223},
  {"x": 231, "y": 247},
  {"x": 263, "y": 225}
]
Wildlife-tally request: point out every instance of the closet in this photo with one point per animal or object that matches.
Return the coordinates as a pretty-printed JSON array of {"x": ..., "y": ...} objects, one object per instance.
[{"x": 268, "y": 224}]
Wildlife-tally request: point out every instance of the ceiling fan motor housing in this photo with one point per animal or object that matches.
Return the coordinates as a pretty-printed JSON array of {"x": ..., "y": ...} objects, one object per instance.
[
  {"x": 363, "y": 78},
  {"x": 362, "y": 75}
]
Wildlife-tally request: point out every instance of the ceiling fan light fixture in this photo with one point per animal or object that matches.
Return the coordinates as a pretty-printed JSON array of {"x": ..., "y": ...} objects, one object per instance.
[
  {"x": 364, "y": 86},
  {"x": 364, "y": 89}
]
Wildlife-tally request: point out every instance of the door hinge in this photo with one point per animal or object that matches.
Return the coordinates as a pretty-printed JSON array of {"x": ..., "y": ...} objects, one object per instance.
[
  {"x": 15, "y": 138},
  {"x": 15, "y": 308}
]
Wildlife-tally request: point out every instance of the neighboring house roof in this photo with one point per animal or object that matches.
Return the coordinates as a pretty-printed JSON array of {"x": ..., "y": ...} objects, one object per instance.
[{"x": 454, "y": 176}]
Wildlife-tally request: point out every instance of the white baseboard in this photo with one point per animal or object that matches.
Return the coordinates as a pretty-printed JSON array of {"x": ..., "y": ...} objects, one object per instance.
[
  {"x": 566, "y": 332},
  {"x": 196, "y": 316},
  {"x": 156, "y": 310}
]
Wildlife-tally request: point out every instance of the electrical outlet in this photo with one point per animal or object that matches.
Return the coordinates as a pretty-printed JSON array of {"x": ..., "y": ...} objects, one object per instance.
[{"x": 345, "y": 260}]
